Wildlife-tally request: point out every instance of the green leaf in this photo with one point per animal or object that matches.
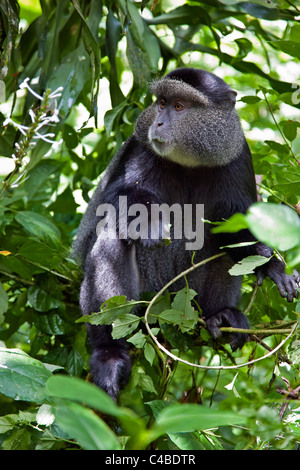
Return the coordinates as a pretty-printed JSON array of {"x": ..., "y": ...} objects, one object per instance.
[
  {"x": 294, "y": 352},
  {"x": 144, "y": 38},
  {"x": 112, "y": 115},
  {"x": 8, "y": 422},
  {"x": 41, "y": 301},
  {"x": 289, "y": 47},
  {"x": 41, "y": 183},
  {"x": 44, "y": 416},
  {"x": 74, "y": 363},
  {"x": 6, "y": 148},
  {"x": 176, "y": 317},
  {"x": 281, "y": 149},
  {"x": 89, "y": 39},
  {"x": 146, "y": 384},
  {"x": 163, "y": 303},
  {"x": 12, "y": 264},
  {"x": 75, "y": 389},
  {"x": 290, "y": 129},
  {"x": 124, "y": 325},
  {"x": 22, "y": 377},
  {"x": 70, "y": 136},
  {"x": 247, "y": 265},
  {"x": 235, "y": 223},
  {"x": 85, "y": 427},
  {"x": 50, "y": 323},
  {"x": 78, "y": 390},
  {"x": 186, "y": 441},
  {"x": 110, "y": 311},
  {"x": 185, "y": 14},
  {"x": 245, "y": 46},
  {"x": 137, "y": 61},
  {"x": 72, "y": 75},
  {"x": 181, "y": 313},
  {"x": 140, "y": 379},
  {"x": 39, "y": 253},
  {"x": 149, "y": 353},
  {"x": 113, "y": 36},
  {"x": 250, "y": 99},
  {"x": 261, "y": 9},
  {"x": 190, "y": 417},
  {"x": 3, "y": 300},
  {"x": 288, "y": 183},
  {"x": 138, "y": 339},
  {"x": 19, "y": 439},
  {"x": 274, "y": 224},
  {"x": 182, "y": 301},
  {"x": 40, "y": 227}
]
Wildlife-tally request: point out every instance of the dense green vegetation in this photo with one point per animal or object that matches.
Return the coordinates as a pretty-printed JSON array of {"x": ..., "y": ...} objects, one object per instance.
[{"x": 73, "y": 79}]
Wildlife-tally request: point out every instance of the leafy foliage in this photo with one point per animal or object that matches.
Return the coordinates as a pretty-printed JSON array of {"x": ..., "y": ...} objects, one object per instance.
[{"x": 54, "y": 145}]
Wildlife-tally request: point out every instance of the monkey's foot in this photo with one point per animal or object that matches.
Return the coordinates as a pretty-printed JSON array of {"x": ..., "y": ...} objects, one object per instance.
[
  {"x": 110, "y": 367},
  {"x": 228, "y": 317}
]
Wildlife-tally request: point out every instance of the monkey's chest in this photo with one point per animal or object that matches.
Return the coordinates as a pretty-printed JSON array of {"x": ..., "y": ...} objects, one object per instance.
[{"x": 157, "y": 266}]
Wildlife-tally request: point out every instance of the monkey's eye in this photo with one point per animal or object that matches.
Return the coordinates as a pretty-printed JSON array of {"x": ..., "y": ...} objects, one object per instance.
[
  {"x": 162, "y": 104},
  {"x": 178, "y": 106}
]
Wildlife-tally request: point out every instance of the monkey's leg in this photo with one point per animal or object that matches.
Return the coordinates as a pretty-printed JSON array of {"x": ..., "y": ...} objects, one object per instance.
[
  {"x": 221, "y": 293},
  {"x": 110, "y": 270}
]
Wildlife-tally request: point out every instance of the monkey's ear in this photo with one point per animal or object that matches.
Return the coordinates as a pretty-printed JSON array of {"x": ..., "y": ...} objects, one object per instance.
[{"x": 231, "y": 94}]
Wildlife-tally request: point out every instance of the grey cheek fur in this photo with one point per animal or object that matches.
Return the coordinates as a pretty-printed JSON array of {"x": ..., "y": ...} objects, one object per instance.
[{"x": 208, "y": 135}]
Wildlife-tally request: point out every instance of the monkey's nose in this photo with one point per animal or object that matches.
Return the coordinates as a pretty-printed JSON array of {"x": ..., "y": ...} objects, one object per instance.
[{"x": 159, "y": 124}]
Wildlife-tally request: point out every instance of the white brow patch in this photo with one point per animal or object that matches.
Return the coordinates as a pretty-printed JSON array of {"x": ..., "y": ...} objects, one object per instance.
[{"x": 169, "y": 88}]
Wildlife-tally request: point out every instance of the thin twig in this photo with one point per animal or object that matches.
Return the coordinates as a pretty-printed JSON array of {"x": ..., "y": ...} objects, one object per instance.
[
  {"x": 270, "y": 331},
  {"x": 247, "y": 309},
  {"x": 277, "y": 125},
  {"x": 290, "y": 394},
  {"x": 264, "y": 345}
]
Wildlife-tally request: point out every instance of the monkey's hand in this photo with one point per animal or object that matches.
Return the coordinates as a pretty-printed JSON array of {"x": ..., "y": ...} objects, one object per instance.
[
  {"x": 228, "y": 317},
  {"x": 287, "y": 285}
]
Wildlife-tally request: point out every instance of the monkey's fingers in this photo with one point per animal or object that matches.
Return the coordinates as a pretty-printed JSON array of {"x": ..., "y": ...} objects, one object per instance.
[
  {"x": 228, "y": 317},
  {"x": 296, "y": 277},
  {"x": 287, "y": 285}
]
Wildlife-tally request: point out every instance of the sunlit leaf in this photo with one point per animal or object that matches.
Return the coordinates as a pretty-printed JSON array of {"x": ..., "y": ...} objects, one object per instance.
[
  {"x": 274, "y": 224},
  {"x": 86, "y": 427},
  {"x": 22, "y": 377},
  {"x": 39, "y": 226}
]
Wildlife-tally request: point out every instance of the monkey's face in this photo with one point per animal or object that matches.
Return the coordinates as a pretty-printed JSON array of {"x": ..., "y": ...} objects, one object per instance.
[
  {"x": 164, "y": 132},
  {"x": 187, "y": 127}
]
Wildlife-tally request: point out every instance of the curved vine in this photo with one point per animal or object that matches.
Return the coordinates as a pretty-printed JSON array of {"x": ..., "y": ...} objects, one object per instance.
[{"x": 200, "y": 366}]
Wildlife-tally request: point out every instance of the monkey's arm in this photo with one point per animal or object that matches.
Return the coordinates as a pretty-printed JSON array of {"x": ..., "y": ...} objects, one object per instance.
[
  {"x": 132, "y": 200},
  {"x": 274, "y": 269}
]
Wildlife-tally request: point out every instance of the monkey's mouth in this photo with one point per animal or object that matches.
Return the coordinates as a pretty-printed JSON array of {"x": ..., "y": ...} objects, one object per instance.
[
  {"x": 158, "y": 145},
  {"x": 158, "y": 140}
]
